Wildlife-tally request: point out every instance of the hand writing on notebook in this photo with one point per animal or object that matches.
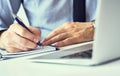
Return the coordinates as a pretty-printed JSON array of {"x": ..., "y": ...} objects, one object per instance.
[
  {"x": 70, "y": 33},
  {"x": 16, "y": 38}
]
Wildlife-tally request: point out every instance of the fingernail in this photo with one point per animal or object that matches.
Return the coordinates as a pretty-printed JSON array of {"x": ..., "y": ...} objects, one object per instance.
[
  {"x": 36, "y": 40},
  {"x": 57, "y": 44}
]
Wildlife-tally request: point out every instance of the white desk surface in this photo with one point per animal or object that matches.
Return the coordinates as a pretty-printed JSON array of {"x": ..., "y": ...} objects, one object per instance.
[{"x": 23, "y": 67}]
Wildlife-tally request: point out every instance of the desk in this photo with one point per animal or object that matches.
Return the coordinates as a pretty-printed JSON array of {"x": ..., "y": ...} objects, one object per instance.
[{"x": 23, "y": 67}]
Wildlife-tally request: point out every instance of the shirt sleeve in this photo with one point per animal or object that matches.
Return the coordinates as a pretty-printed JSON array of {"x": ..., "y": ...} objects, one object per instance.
[{"x": 7, "y": 7}]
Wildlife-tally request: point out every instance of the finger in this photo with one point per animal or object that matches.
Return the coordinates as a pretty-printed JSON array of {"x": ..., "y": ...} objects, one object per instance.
[
  {"x": 23, "y": 42},
  {"x": 13, "y": 44},
  {"x": 18, "y": 48},
  {"x": 9, "y": 39},
  {"x": 68, "y": 41},
  {"x": 56, "y": 39},
  {"x": 13, "y": 50},
  {"x": 23, "y": 32},
  {"x": 54, "y": 33}
]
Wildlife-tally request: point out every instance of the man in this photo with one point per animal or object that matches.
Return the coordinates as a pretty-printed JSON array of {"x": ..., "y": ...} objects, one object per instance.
[{"x": 45, "y": 16}]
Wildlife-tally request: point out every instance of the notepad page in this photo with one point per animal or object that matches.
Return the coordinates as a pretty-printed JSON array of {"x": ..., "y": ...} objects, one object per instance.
[{"x": 38, "y": 50}]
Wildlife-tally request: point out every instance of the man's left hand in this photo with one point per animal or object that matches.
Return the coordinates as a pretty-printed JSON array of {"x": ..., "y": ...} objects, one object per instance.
[{"x": 70, "y": 33}]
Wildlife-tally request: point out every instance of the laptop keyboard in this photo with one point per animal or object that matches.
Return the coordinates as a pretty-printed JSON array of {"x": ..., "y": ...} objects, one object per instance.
[{"x": 86, "y": 54}]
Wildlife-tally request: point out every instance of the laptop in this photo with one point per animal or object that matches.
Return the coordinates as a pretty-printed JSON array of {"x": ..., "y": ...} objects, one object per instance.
[{"x": 105, "y": 46}]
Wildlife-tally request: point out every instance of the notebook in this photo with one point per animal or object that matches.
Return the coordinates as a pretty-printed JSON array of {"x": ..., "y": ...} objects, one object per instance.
[
  {"x": 5, "y": 55},
  {"x": 45, "y": 49}
]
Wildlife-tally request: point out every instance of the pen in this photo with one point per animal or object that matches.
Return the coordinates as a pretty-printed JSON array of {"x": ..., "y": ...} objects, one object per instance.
[{"x": 22, "y": 24}]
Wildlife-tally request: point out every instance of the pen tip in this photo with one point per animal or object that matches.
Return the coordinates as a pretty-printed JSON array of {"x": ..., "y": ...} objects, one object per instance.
[{"x": 39, "y": 43}]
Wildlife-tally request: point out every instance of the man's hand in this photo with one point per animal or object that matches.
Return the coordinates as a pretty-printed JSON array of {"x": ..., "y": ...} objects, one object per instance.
[
  {"x": 70, "y": 33},
  {"x": 17, "y": 38}
]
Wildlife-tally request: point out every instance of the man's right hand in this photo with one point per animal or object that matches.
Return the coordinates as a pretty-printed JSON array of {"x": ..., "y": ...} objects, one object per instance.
[{"x": 16, "y": 38}]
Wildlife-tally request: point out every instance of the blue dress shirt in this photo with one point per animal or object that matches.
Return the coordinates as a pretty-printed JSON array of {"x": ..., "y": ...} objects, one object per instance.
[{"x": 44, "y": 14}]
